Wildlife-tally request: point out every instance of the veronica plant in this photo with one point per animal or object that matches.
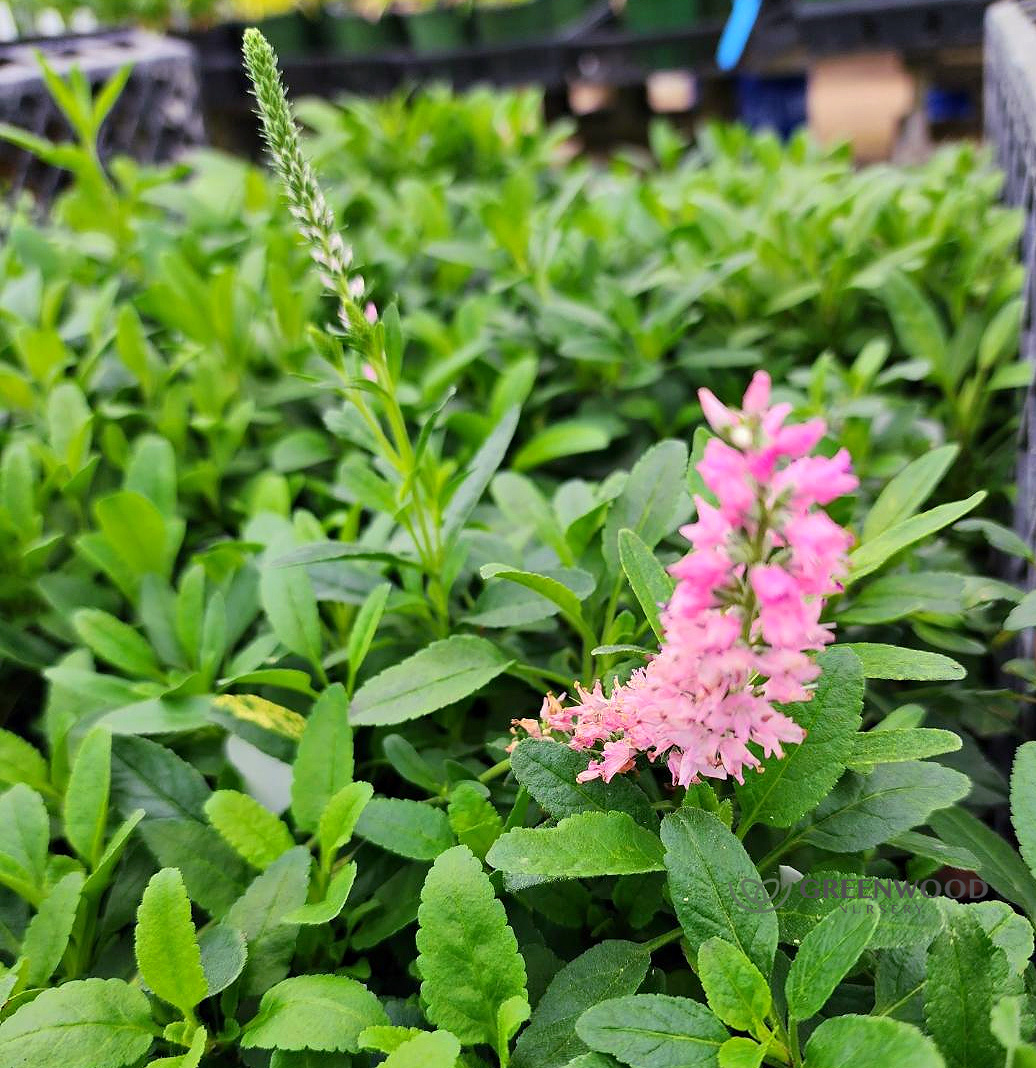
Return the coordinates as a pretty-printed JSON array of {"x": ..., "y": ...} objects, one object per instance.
[{"x": 367, "y": 360}]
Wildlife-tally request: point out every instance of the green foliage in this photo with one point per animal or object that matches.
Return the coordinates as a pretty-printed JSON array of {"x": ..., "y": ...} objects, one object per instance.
[
  {"x": 166, "y": 943},
  {"x": 318, "y": 1012},
  {"x": 468, "y": 956},
  {"x": 283, "y": 588}
]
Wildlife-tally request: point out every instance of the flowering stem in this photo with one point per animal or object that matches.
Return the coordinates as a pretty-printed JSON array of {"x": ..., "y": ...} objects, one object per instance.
[{"x": 421, "y": 516}]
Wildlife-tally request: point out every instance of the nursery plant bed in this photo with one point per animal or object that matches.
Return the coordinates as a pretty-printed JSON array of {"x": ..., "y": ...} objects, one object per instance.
[{"x": 156, "y": 118}]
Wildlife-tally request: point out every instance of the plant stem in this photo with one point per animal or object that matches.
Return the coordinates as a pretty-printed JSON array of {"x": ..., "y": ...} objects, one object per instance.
[
  {"x": 502, "y": 768},
  {"x": 663, "y": 940}
]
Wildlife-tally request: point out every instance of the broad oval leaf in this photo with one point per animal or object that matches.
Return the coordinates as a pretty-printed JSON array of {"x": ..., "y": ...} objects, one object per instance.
[
  {"x": 319, "y": 1012},
  {"x": 468, "y": 956},
  {"x": 706, "y": 864},
  {"x": 788, "y": 788},
  {"x": 88, "y": 1023},
  {"x": 549, "y": 770},
  {"x": 440, "y": 674},
  {"x": 583, "y": 845},
  {"x": 870, "y": 1042},
  {"x": 607, "y": 970},
  {"x": 654, "y": 1031},
  {"x": 826, "y": 955}
]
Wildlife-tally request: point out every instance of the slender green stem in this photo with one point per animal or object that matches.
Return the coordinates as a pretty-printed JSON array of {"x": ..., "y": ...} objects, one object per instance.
[
  {"x": 793, "y": 1043},
  {"x": 775, "y": 854},
  {"x": 663, "y": 940},
  {"x": 502, "y": 768}
]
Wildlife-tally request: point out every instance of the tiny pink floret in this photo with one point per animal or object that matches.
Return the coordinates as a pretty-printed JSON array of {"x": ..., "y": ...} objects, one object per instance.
[{"x": 743, "y": 624}]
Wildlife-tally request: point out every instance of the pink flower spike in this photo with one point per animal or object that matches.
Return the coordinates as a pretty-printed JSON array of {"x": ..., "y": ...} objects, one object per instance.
[{"x": 743, "y": 623}]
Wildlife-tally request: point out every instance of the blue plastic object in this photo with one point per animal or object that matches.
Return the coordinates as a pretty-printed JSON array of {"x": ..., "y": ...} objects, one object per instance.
[
  {"x": 736, "y": 33},
  {"x": 772, "y": 103}
]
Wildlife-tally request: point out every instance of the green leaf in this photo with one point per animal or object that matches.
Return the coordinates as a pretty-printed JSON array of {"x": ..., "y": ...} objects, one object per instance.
[
  {"x": 735, "y": 988},
  {"x": 166, "y": 943},
  {"x": 566, "y": 438},
  {"x": 586, "y": 844},
  {"x": 652, "y": 501},
  {"x": 548, "y": 770},
  {"x": 996, "y": 861},
  {"x": 1001, "y": 538},
  {"x": 223, "y": 956},
  {"x": 1001, "y": 336},
  {"x": 86, "y": 796},
  {"x": 894, "y": 746},
  {"x": 364, "y": 627},
  {"x": 907, "y": 492},
  {"x": 440, "y": 674},
  {"x": 741, "y": 1053},
  {"x": 190, "y": 1059},
  {"x": 876, "y": 553},
  {"x": 1023, "y": 801},
  {"x": 137, "y": 533},
  {"x": 24, "y": 837},
  {"x": 291, "y": 607},
  {"x": 152, "y": 777},
  {"x": 409, "y": 828},
  {"x": 386, "y": 1039},
  {"x": 259, "y": 914},
  {"x": 607, "y": 970},
  {"x": 252, "y": 831},
  {"x": 100, "y": 877},
  {"x": 320, "y": 1012},
  {"x": 964, "y": 973},
  {"x": 865, "y": 810},
  {"x": 430, "y": 1049},
  {"x": 90, "y": 1023},
  {"x": 214, "y": 874},
  {"x": 151, "y": 472},
  {"x": 473, "y": 819},
  {"x": 1009, "y": 932},
  {"x": 648, "y": 580},
  {"x": 870, "y": 1042},
  {"x": 1023, "y": 615},
  {"x": 556, "y": 592},
  {"x": 918, "y": 327},
  {"x": 468, "y": 956},
  {"x": 905, "y": 916},
  {"x": 653, "y": 1031},
  {"x": 788, "y": 788},
  {"x": 324, "y": 758},
  {"x": 480, "y": 472},
  {"x": 339, "y": 818},
  {"x": 321, "y": 912},
  {"x": 904, "y": 665},
  {"x": 47, "y": 935},
  {"x": 826, "y": 955},
  {"x": 22, "y": 762},
  {"x": 116, "y": 643},
  {"x": 705, "y": 862}
]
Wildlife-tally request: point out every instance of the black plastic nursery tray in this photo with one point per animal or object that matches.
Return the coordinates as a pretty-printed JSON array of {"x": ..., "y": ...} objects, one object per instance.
[
  {"x": 155, "y": 119},
  {"x": 1010, "y": 101},
  {"x": 909, "y": 26},
  {"x": 594, "y": 49}
]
